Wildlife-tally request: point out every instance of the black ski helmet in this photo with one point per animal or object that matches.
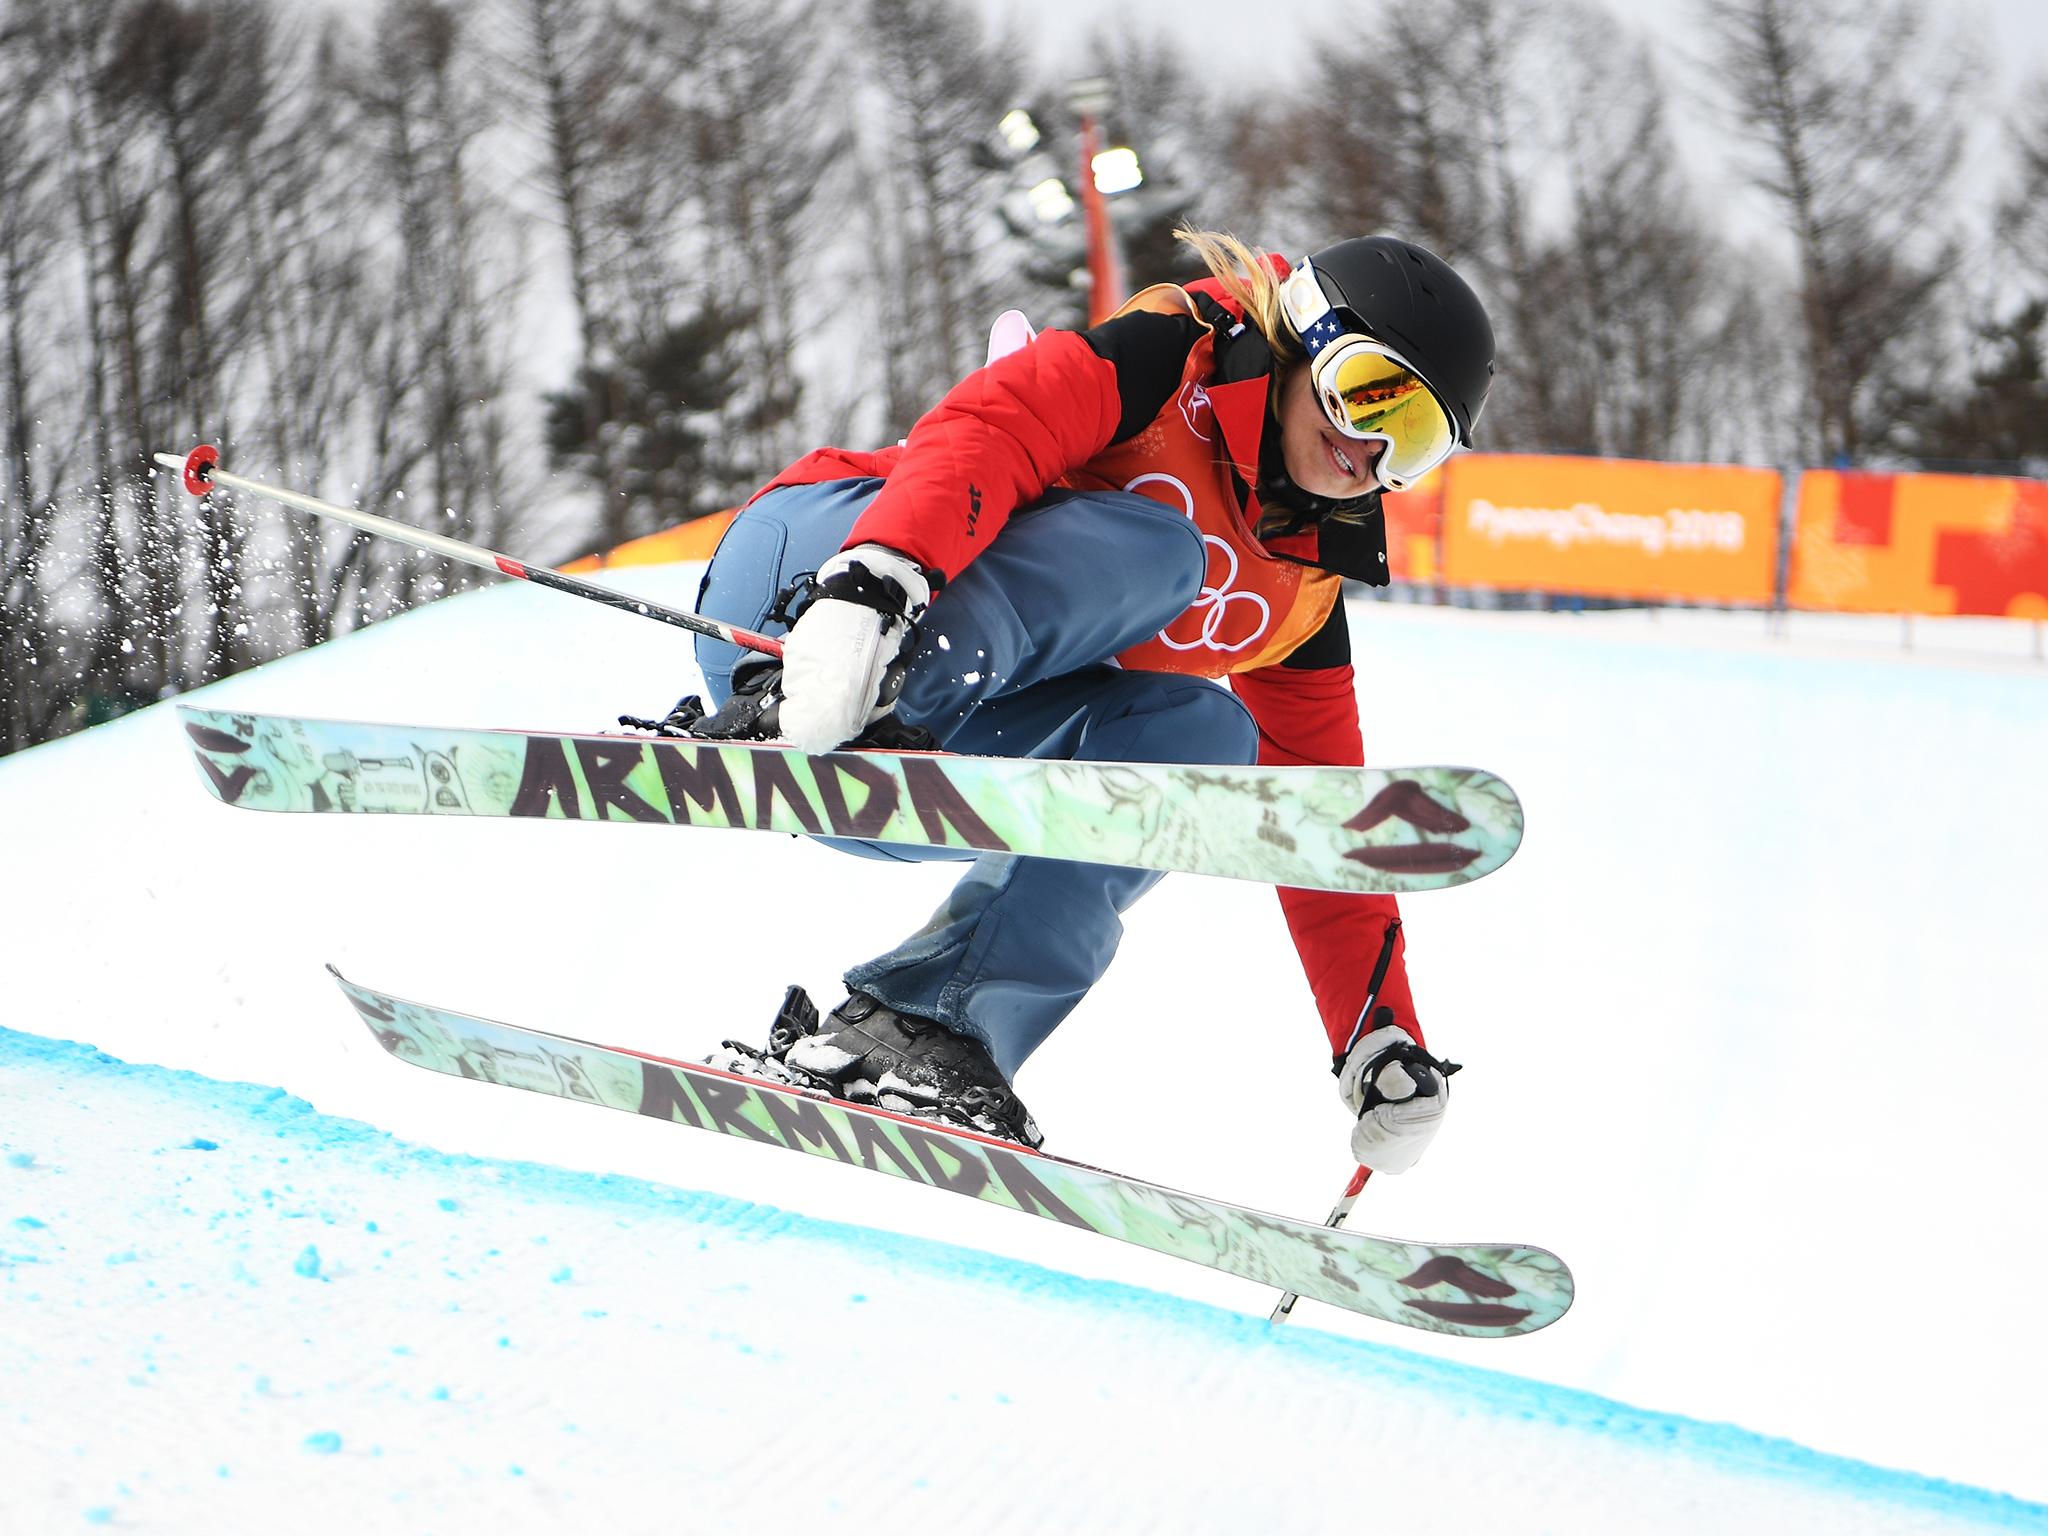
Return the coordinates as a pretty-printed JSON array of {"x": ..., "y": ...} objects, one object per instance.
[{"x": 1410, "y": 299}]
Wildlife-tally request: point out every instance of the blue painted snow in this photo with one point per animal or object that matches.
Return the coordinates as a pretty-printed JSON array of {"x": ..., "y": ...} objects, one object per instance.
[{"x": 350, "y": 1151}]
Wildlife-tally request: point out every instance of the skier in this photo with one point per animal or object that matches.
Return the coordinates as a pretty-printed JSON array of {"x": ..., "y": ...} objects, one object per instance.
[{"x": 1061, "y": 560}]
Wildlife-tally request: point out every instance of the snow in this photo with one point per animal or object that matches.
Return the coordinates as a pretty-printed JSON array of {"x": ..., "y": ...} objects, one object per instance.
[
  {"x": 1752, "y": 1028},
  {"x": 822, "y": 1058}
]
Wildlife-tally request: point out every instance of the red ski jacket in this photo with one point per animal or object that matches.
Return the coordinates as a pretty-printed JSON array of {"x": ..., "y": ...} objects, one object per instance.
[{"x": 1088, "y": 408}]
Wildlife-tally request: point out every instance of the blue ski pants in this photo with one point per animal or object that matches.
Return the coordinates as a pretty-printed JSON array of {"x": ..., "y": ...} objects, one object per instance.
[{"x": 1013, "y": 659}]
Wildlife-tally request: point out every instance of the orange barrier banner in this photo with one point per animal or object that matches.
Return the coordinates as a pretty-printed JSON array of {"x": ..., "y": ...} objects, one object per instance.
[
  {"x": 1414, "y": 520},
  {"x": 1611, "y": 527},
  {"x": 694, "y": 540},
  {"x": 1935, "y": 544}
]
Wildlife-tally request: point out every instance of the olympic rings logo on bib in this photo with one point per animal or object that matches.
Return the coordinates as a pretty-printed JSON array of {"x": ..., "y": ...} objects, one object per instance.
[
  {"x": 1211, "y": 609},
  {"x": 1214, "y": 607}
]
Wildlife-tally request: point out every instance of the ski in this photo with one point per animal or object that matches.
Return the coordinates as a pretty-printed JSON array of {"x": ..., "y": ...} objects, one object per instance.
[
  {"x": 1489, "y": 1290},
  {"x": 1340, "y": 829}
]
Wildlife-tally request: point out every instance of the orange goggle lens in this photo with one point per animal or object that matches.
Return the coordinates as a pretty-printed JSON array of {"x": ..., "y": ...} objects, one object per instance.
[{"x": 1368, "y": 392}]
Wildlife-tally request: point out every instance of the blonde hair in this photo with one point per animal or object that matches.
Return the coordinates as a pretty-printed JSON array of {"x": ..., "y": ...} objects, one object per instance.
[{"x": 1247, "y": 276}]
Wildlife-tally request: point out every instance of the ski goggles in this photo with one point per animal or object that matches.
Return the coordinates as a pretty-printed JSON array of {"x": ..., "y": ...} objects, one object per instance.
[{"x": 1367, "y": 389}]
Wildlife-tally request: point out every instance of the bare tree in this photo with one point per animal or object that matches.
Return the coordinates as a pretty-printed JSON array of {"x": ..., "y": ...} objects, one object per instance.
[
  {"x": 767, "y": 166},
  {"x": 1428, "y": 131},
  {"x": 132, "y": 648},
  {"x": 644, "y": 417},
  {"x": 190, "y": 77},
  {"x": 1396, "y": 135},
  {"x": 1852, "y": 109},
  {"x": 28, "y": 513},
  {"x": 198, "y": 241},
  {"x": 419, "y": 109},
  {"x": 587, "y": 101},
  {"x": 1997, "y": 421},
  {"x": 2023, "y": 212},
  {"x": 310, "y": 292},
  {"x": 944, "y": 269},
  {"x": 1633, "y": 333},
  {"x": 1255, "y": 187}
]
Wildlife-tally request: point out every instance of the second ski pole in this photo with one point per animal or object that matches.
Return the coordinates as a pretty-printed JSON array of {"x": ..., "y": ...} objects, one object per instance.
[{"x": 1285, "y": 1308}]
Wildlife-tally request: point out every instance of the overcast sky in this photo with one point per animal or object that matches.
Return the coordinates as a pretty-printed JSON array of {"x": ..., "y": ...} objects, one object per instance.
[
  {"x": 2009, "y": 36},
  {"x": 2014, "y": 33}
]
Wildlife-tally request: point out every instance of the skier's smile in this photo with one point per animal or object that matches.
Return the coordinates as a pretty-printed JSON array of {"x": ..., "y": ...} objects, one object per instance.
[{"x": 1319, "y": 459}]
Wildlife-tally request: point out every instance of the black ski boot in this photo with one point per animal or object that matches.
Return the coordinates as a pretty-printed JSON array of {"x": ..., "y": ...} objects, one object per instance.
[
  {"x": 868, "y": 1053},
  {"x": 754, "y": 713}
]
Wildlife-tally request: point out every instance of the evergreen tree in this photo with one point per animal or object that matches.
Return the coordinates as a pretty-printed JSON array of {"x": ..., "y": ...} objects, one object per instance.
[
  {"x": 660, "y": 437},
  {"x": 1998, "y": 424}
]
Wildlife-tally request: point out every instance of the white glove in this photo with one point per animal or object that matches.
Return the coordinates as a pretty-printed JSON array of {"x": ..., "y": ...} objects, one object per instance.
[
  {"x": 1399, "y": 1093},
  {"x": 836, "y": 659}
]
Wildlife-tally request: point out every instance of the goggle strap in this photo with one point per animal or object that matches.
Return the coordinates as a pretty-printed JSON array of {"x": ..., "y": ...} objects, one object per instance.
[{"x": 1303, "y": 298}]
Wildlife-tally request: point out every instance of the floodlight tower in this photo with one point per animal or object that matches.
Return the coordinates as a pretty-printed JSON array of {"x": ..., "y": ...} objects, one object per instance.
[{"x": 1091, "y": 98}]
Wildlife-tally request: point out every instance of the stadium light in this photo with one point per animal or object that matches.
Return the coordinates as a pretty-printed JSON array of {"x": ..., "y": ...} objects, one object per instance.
[
  {"x": 1018, "y": 131},
  {"x": 1116, "y": 170},
  {"x": 1050, "y": 200}
]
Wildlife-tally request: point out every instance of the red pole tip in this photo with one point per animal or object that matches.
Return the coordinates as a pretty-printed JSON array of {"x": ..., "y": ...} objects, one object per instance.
[{"x": 199, "y": 468}]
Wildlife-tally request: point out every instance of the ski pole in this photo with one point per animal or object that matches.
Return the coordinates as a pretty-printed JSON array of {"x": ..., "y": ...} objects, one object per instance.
[
  {"x": 201, "y": 472},
  {"x": 1343, "y": 1208}
]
